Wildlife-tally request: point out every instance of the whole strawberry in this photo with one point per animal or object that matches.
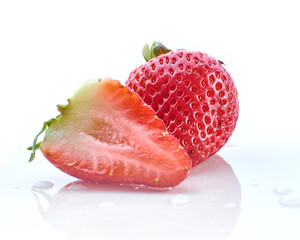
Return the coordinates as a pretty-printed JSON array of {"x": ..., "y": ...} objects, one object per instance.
[{"x": 192, "y": 93}]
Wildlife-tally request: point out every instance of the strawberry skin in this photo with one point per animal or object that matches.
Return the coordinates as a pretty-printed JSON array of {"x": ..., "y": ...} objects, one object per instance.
[
  {"x": 195, "y": 97},
  {"x": 107, "y": 134}
]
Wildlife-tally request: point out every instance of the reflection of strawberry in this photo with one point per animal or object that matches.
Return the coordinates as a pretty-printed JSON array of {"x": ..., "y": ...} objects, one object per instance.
[
  {"x": 107, "y": 134},
  {"x": 192, "y": 93}
]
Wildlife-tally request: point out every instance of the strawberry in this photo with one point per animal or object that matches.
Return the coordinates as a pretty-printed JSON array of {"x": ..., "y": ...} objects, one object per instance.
[
  {"x": 192, "y": 93},
  {"x": 107, "y": 134}
]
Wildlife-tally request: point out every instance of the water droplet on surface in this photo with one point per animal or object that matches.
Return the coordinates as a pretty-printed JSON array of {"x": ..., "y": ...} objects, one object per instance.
[
  {"x": 77, "y": 187},
  {"x": 230, "y": 205},
  {"x": 42, "y": 185},
  {"x": 290, "y": 201},
  {"x": 136, "y": 186},
  {"x": 180, "y": 199},
  {"x": 282, "y": 190}
]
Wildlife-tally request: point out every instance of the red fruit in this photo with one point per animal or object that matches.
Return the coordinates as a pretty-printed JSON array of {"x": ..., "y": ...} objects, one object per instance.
[
  {"x": 193, "y": 94},
  {"x": 107, "y": 134}
]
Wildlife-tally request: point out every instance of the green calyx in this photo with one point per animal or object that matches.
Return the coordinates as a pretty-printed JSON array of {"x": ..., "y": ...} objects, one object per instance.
[
  {"x": 36, "y": 146},
  {"x": 61, "y": 108},
  {"x": 156, "y": 49}
]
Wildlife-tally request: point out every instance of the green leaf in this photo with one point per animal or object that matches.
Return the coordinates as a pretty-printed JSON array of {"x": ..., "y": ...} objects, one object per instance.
[
  {"x": 35, "y": 146},
  {"x": 157, "y": 49},
  {"x": 151, "y": 51},
  {"x": 146, "y": 52},
  {"x": 160, "y": 49}
]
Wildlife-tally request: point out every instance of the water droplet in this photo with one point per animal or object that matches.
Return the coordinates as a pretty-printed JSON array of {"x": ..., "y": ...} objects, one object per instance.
[
  {"x": 77, "y": 187},
  {"x": 136, "y": 186},
  {"x": 282, "y": 190},
  {"x": 180, "y": 199},
  {"x": 290, "y": 201},
  {"x": 42, "y": 185},
  {"x": 230, "y": 205}
]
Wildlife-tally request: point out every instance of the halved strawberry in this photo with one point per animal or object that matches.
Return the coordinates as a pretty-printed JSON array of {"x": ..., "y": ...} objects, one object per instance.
[
  {"x": 192, "y": 93},
  {"x": 107, "y": 134}
]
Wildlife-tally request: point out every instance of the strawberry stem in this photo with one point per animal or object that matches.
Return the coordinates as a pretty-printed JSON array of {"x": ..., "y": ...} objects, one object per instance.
[
  {"x": 35, "y": 146},
  {"x": 157, "y": 49}
]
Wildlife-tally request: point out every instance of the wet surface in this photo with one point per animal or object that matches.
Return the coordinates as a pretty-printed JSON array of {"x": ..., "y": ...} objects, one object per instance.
[{"x": 208, "y": 202}]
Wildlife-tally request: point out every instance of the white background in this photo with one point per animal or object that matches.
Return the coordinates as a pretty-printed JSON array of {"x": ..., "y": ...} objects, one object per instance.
[{"x": 49, "y": 48}]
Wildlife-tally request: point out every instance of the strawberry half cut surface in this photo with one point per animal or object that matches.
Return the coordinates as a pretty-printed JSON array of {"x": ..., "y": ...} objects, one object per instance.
[
  {"x": 192, "y": 93},
  {"x": 107, "y": 134}
]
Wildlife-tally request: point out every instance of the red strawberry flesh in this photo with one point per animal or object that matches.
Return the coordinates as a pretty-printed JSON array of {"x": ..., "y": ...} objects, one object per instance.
[{"x": 107, "y": 134}]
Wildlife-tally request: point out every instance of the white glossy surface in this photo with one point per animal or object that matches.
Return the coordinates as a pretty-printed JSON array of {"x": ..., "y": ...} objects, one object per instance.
[{"x": 249, "y": 190}]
